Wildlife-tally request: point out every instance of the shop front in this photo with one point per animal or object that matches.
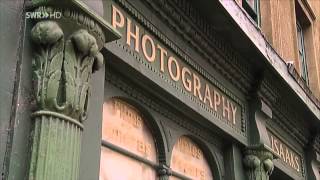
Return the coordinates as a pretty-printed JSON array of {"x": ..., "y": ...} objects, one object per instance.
[
  {"x": 153, "y": 93},
  {"x": 145, "y": 89},
  {"x": 169, "y": 112}
]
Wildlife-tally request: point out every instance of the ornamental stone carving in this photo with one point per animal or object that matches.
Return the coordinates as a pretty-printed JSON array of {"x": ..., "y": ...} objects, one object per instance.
[
  {"x": 65, "y": 54},
  {"x": 62, "y": 69},
  {"x": 258, "y": 155},
  {"x": 258, "y": 163}
]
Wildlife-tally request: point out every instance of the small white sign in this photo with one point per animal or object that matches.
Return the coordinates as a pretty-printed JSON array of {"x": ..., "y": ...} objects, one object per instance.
[{"x": 43, "y": 15}]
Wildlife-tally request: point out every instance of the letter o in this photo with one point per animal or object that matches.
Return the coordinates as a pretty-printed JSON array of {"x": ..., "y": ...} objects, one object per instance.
[
  {"x": 175, "y": 77},
  {"x": 152, "y": 57}
]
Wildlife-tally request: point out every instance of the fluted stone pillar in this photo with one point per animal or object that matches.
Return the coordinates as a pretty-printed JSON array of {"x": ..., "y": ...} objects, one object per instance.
[{"x": 65, "y": 54}]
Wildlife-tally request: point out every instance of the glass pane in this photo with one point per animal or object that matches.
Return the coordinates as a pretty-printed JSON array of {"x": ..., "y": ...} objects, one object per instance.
[
  {"x": 299, "y": 42},
  {"x": 188, "y": 159},
  {"x": 115, "y": 166},
  {"x": 124, "y": 127},
  {"x": 251, "y": 3},
  {"x": 302, "y": 55},
  {"x": 304, "y": 73}
]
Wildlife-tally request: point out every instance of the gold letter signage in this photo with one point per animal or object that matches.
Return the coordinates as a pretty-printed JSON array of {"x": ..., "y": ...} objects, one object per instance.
[
  {"x": 286, "y": 154},
  {"x": 124, "y": 127},
  {"x": 172, "y": 68},
  {"x": 188, "y": 160}
]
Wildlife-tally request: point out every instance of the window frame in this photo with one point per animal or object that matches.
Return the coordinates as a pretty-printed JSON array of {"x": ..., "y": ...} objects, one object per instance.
[
  {"x": 302, "y": 53},
  {"x": 254, "y": 12},
  {"x": 104, "y": 143}
]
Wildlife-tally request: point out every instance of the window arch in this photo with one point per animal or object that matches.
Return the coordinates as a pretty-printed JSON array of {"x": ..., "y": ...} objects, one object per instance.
[
  {"x": 128, "y": 148},
  {"x": 188, "y": 161}
]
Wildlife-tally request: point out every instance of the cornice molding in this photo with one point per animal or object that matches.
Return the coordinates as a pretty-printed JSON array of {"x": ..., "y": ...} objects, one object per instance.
[
  {"x": 284, "y": 116},
  {"x": 268, "y": 91},
  {"x": 271, "y": 57},
  {"x": 315, "y": 143},
  {"x": 293, "y": 72},
  {"x": 205, "y": 41}
]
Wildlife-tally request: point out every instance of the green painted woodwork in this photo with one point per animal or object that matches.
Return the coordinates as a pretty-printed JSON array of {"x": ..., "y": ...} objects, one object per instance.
[
  {"x": 56, "y": 147},
  {"x": 258, "y": 163},
  {"x": 312, "y": 159},
  {"x": 259, "y": 114},
  {"x": 164, "y": 172},
  {"x": 62, "y": 70},
  {"x": 234, "y": 167},
  {"x": 66, "y": 53},
  {"x": 258, "y": 156},
  {"x": 62, "y": 94}
]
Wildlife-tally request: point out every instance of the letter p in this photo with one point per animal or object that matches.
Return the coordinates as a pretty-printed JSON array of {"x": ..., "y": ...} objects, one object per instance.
[{"x": 117, "y": 22}]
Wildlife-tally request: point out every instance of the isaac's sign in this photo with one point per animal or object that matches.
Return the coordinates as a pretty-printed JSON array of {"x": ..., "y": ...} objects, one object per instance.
[{"x": 287, "y": 155}]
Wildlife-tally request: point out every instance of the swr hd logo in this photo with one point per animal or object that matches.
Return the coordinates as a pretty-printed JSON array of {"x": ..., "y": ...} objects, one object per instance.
[{"x": 43, "y": 15}]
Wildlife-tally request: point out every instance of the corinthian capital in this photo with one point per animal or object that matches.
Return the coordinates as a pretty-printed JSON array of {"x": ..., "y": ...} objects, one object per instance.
[
  {"x": 258, "y": 163},
  {"x": 62, "y": 68},
  {"x": 66, "y": 54},
  {"x": 67, "y": 40}
]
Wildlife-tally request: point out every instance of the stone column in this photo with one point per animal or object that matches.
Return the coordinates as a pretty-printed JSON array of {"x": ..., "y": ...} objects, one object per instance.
[
  {"x": 258, "y": 163},
  {"x": 65, "y": 54},
  {"x": 258, "y": 155}
]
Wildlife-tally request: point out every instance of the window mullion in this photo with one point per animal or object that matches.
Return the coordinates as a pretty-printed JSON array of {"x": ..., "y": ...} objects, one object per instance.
[{"x": 127, "y": 153}]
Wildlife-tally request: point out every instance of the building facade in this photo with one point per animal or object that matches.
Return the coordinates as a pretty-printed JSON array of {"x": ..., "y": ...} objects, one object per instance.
[{"x": 145, "y": 89}]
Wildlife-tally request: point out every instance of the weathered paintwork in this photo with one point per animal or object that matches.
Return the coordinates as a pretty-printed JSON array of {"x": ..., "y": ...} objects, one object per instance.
[{"x": 55, "y": 102}]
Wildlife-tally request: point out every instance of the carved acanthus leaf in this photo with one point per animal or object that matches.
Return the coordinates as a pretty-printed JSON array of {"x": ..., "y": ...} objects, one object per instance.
[{"x": 63, "y": 67}]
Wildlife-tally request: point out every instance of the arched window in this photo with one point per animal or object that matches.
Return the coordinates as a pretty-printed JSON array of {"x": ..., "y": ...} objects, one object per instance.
[
  {"x": 189, "y": 162},
  {"x": 128, "y": 149}
]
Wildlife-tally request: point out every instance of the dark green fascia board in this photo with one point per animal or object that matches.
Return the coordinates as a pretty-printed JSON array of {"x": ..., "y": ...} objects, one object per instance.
[
  {"x": 110, "y": 32},
  {"x": 264, "y": 147},
  {"x": 258, "y": 128}
]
